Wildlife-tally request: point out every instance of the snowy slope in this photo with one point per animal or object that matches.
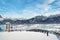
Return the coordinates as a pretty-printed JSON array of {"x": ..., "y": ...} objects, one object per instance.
[{"x": 26, "y": 36}]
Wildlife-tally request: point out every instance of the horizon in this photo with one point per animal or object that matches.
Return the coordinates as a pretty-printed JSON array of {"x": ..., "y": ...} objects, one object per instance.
[{"x": 26, "y": 18}]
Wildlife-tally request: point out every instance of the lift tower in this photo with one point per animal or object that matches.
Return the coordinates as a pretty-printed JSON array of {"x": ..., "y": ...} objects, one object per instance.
[{"x": 7, "y": 25}]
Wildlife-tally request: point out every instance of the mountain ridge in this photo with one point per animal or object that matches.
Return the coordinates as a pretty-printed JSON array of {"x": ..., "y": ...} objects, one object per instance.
[{"x": 35, "y": 20}]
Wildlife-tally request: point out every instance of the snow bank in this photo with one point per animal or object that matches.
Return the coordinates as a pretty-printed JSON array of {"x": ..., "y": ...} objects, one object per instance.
[{"x": 26, "y": 36}]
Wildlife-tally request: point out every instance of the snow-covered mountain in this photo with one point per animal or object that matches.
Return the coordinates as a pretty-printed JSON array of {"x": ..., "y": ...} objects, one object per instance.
[
  {"x": 1, "y": 18},
  {"x": 34, "y": 20}
]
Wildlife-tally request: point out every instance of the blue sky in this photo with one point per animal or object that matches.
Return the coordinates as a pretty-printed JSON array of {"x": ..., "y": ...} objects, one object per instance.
[{"x": 28, "y": 8}]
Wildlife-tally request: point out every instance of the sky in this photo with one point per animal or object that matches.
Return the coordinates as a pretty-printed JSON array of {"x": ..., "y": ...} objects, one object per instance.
[{"x": 28, "y": 8}]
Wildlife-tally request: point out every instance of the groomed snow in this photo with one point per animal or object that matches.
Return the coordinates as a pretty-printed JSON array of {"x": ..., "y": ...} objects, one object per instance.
[{"x": 26, "y": 36}]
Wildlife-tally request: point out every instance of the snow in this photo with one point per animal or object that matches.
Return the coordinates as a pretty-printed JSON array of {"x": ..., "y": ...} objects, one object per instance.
[
  {"x": 52, "y": 27},
  {"x": 23, "y": 35},
  {"x": 58, "y": 37}
]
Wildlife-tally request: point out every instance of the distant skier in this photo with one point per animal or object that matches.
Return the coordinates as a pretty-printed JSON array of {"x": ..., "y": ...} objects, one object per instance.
[{"x": 47, "y": 33}]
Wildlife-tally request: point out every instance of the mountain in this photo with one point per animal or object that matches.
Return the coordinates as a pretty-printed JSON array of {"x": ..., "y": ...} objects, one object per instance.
[
  {"x": 53, "y": 19},
  {"x": 40, "y": 20},
  {"x": 0, "y": 16},
  {"x": 35, "y": 20}
]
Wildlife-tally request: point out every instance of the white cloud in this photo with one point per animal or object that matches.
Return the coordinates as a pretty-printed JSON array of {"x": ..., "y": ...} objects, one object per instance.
[
  {"x": 43, "y": 6},
  {"x": 49, "y": 1},
  {"x": 29, "y": 14},
  {"x": 52, "y": 13},
  {"x": 57, "y": 3},
  {"x": 26, "y": 14},
  {"x": 10, "y": 15}
]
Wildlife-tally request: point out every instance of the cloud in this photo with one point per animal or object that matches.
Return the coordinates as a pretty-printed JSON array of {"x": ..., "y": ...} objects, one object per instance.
[
  {"x": 57, "y": 3},
  {"x": 49, "y": 1},
  {"x": 57, "y": 11},
  {"x": 26, "y": 14},
  {"x": 10, "y": 15},
  {"x": 43, "y": 7},
  {"x": 29, "y": 14},
  {"x": 28, "y": 8}
]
